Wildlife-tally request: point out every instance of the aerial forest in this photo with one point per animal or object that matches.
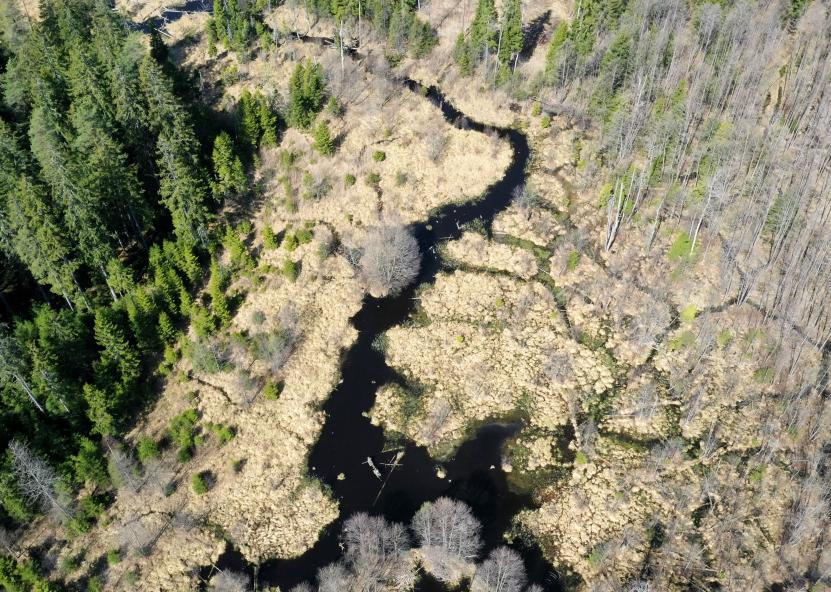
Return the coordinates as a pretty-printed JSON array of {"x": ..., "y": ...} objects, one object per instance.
[{"x": 394, "y": 295}]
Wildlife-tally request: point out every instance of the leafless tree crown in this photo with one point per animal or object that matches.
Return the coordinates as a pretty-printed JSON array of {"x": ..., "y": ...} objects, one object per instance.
[
  {"x": 36, "y": 479},
  {"x": 390, "y": 260}
]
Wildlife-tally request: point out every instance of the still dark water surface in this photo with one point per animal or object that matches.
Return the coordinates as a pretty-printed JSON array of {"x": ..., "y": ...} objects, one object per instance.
[
  {"x": 473, "y": 475},
  {"x": 348, "y": 438}
]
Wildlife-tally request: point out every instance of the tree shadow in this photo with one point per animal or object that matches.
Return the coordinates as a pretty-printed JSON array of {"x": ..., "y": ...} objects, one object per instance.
[{"x": 533, "y": 33}]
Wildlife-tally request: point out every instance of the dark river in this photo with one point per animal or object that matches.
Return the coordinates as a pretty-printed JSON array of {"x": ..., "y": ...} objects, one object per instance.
[{"x": 348, "y": 438}]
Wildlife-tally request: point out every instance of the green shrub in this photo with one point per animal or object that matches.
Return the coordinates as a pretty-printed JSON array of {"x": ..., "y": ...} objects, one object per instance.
[
  {"x": 290, "y": 242},
  {"x": 573, "y": 260},
  {"x": 681, "y": 341},
  {"x": 271, "y": 390},
  {"x": 287, "y": 158},
  {"x": 400, "y": 178},
  {"x": 373, "y": 179},
  {"x": 758, "y": 473},
  {"x": 764, "y": 375},
  {"x": 688, "y": 313},
  {"x": 269, "y": 238},
  {"x": 147, "y": 449},
  {"x": 681, "y": 248},
  {"x": 70, "y": 564},
  {"x": 545, "y": 121},
  {"x": 724, "y": 338},
  {"x": 289, "y": 270},
  {"x": 222, "y": 432},
  {"x": 596, "y": 557},
  {"x": 257, "y": 317},
  {"x": 94, "y": 584},
  {"x": 183, "y": 432},
  {"x": 379, "y": 156},
  {"x": 88, "y": 511},
  {"x": 536, "y": 109},
  {"x": 199, "y": 484},
  {"x": 349, "y": 180},
  {"x": 303, "y": 236},
  {"x": 333, "y": 106},
  {"x": 580, "y": 458},
  {"x": 113, "y": 557}
]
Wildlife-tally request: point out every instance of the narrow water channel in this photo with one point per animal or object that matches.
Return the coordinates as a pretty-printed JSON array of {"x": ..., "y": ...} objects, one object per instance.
[{"x": 348, "y": 438}]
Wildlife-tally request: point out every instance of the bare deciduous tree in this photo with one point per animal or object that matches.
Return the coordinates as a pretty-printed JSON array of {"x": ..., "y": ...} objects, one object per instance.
[
  {"x": 7, "y": 541},
  {"x": 390, "y": 260},
  {"x": 376, "y": 554},
  {"x": 11, "y": 366},
  {"x": 450, "y": 525},
  {"x": 36, "y": 479},
  {"x": 333, "y": 578},
  {"x": 502, "y": 571},
  {"x": 526, "y": 199},
  {"x": 230, "y": 581},
  {"x": 124, "y": 470},
  {"x": 449, "y": 535},
  {"x": 435, "y": 141}
]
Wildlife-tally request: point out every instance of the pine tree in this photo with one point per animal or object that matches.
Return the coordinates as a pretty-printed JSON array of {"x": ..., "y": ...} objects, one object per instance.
[
  {"x": 182, "y": 187},
  {"x": 166, "y": 330},
  {"x": 13, "y": 368},
  {"x": 230, "y": 174},
  {"x": 100, "y": 409},
  {"x": 143, "y": 313},
  {"x": 323, "y": 142},
  {"x": 510, "y": 45},
  {"x": 268, "y": 123},
  {"x": 216, "y": 290},
  {"x": 59, "y": 345},
  {"x": 483, "y": 29},
  {"x": 248, "y": 116},
  {"x": 82, "y": 211},
  {"x": 558, "y": 39},
  {"x": 461, "y": 53},
  {"x": 116, "y": 351},
  {"x": 306, "y": 94}
]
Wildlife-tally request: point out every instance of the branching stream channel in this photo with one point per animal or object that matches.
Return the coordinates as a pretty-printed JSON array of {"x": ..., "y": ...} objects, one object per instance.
[{"x": 348, "y": 439}]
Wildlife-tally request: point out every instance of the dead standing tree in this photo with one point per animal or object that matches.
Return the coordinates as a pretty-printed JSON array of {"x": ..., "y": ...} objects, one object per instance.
[{"x": 36, "y": 479}]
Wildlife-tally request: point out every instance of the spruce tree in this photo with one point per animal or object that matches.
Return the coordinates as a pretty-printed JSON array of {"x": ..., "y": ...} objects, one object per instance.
[
  {"x": 182, "y": 187},
  {"x": 323, "y": 142},
  {"x": 483, "y": 30},
  {"x": 306, "y": 94},
  {"x": 511, "y": 43},
  {"x": 228, "y": 169}
]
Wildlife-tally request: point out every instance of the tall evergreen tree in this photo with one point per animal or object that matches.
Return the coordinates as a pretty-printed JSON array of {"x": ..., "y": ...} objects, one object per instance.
[
  {"x": 182, "y": 188},
  {"x": 230, "y": 174},
  {"x": 306, "y": 94},
  {"x": 510, "y": 43}
]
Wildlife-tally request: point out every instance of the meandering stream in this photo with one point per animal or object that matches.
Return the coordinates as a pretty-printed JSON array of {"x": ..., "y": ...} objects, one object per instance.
[
  {"x": 474, "y": 474},
  {"x": 348, "y": 438}
]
